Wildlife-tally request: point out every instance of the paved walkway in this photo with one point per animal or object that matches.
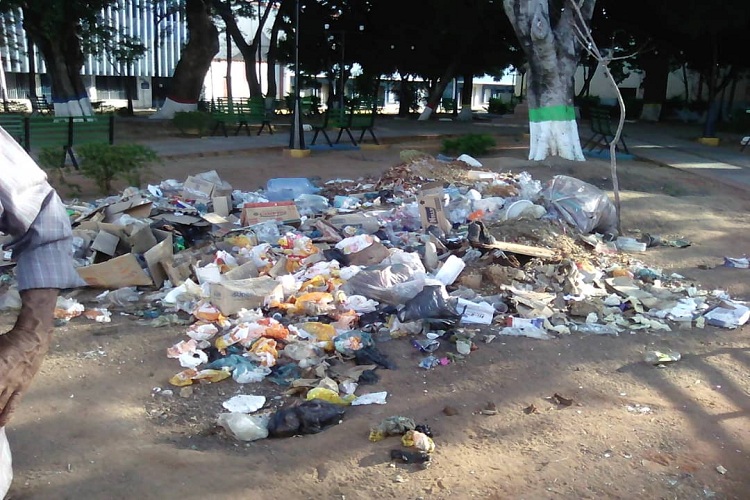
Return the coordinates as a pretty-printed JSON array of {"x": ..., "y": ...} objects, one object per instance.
[{"x": 652, "y": 142}]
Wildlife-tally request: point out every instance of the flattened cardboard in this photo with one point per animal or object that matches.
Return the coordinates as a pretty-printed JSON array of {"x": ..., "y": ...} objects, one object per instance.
[
  {"x": 115, "y": 273},
  {"x": 142, "y": 239},
  {"x": 197, "y": 188},
  {"x": 154, "y": 258},
  {"x": 231, "y": 296},
  {"x": 281, "y": 211},
  {"x": 243, "y": 272},
  {"x": 222, "y": 205},
  {"x": 177, "y": 273},
  {"x": 374, "y": 254},
  {"x": 105, "y": 243}
]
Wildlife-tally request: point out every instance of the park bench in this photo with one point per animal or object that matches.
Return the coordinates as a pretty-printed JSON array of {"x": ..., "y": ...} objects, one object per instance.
[
  {"x": 321, "y": 126},
  {"x": 242, "y": 112},
  {"x": 40, "y": 105},
  {"x": 602, "y": 131},
  {"x": 363, "y": 122}
]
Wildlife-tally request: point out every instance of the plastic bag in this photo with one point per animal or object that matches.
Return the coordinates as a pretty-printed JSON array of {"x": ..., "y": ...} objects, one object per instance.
[
  {"x": 349, "y": 342},
  {"x": 392, "y": 284},
  {"x": 433, "y": 302},
  {"x": 311, "y": 204},
  {"x": 309, "y": 417},
  {"x": 581, "y": 204},
  {"x": 244, "y": 427}
]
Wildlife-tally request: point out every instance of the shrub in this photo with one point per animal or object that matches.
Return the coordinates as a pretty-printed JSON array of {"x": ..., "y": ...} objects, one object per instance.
[
  {"x": 104, "y": 163},
  {"x": 190, "y": 122},
  {"x": 470, "y": 144},
  {"x": 498, "y": 106}
]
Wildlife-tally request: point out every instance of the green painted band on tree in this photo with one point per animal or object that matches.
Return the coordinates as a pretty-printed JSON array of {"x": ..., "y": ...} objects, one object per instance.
[{"x": 552, "y": 114}]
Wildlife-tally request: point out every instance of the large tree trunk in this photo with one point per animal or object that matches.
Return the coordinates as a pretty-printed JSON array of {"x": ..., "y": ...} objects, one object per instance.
[
  {"x": 438, "y": 90},
  {"x": 64, "y": 59},
  {"x": 466, "y": 95},
  {"x": 552, "y": 53},
  {"x": 202, "y": 46},
  {"x": 404, "y": 97},
  {"x": 271, "y": 57}
]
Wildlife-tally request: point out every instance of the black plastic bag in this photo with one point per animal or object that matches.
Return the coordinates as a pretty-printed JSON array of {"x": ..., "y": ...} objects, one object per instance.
[
  {"x": 309, "y": 417},
  {"x": 433, "y": 302}
]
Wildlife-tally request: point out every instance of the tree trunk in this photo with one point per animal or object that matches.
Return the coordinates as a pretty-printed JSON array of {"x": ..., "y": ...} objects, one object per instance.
[
  {"x": 404, "y": 98},
  {"x": 64, "y": 59},
  {"x": 229, "y": 65},
  {"x": 552, "y": 53},
  {"x": 589, "y": 71},
  {"x": 202, "y": 46},
  {"x": 271, "y": 57},
  {"x": 466, "y": 95},
  {"x": 686, "y": 82},
  {"x": 437, "y": 91}
]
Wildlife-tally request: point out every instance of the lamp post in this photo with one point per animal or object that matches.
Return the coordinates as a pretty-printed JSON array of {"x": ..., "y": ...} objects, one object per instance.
[{"x": 296, "y": 135}]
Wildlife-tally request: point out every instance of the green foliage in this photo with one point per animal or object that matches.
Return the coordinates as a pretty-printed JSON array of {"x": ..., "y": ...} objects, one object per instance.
[
  {"x": 190, "y": 121},
  {"x": 470, "y": 144},
  {"x": 498, "y": 106},
  {"x": 105, "y": 163}
]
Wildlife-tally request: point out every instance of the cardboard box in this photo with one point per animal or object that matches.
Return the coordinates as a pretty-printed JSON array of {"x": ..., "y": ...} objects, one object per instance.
[
  {"x": 105, "y": 243},
  {"x": 156, "y": 255},
  {"x": 432, "y": 210},
  {"x": 243, "y": 272},
  {"x": 115, "y": 273},
  {"x": 370, "y": 256},
  {"x": 222, "y": 205},
  {"x": 205, "y": 186},
  {"x": 281, "y": 211},
  {"x": 231, "y": 296}
]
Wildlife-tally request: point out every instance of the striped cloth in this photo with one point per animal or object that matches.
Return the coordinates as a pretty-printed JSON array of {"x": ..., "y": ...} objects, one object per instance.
[{"x": 33, "y": 214}]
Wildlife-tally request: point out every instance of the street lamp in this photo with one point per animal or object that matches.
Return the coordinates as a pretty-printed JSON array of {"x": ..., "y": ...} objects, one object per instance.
[
  {"x": 342, "y": 69},
  {"x": 296, "y": 135}
]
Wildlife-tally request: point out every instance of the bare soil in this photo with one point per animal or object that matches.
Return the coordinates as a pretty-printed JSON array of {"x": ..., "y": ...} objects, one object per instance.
[{"x": 91, "y": 426}]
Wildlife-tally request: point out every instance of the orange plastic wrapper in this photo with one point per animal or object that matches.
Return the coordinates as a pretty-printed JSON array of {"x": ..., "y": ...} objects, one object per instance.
[
  {"x": 476, "y": 215},
  {"x": 211, "y": 376},
  {"x": 316, "y": 284},
  {"x": 242, "y": 241},
  {"x": 207, "y": 312},
  {"x": 274, "y": 329},
  {"x": 313, "y": 304},
  {"x": 185, "y": 377},
  {"x": 266, "y": 350},
  {"x": 346, "y": 320},
  {"x": 621, "y": 273}
]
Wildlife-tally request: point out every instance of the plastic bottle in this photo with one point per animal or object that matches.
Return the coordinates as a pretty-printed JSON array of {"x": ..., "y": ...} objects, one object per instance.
[
  {"x": 288, "y": 188},
  {"x": 630, "y": 245}
]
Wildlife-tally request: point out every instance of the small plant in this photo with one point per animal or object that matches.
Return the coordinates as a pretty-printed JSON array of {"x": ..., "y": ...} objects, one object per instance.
[
  {"x": 105, "y": 163},
  {"x": 498, "y": 106},
  {"x": 470, "y": 144},
  {"x": 193, "y": 122},
  {"x": 53, "y": 161}
]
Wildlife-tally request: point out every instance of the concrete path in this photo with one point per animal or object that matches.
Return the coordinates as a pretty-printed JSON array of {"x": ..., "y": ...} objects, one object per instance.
[{"x": 651, "y": 142}]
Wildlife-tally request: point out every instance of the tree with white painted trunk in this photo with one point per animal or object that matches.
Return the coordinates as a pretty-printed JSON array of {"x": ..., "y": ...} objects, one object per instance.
[{"x": 545, "y": 29}]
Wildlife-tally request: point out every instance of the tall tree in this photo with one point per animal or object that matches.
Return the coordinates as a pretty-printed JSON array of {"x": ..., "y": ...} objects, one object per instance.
[
  {"x": 60, "y": 28},
  {"x": 545, "y": 31},
  {"x": 196, "y": 57}
]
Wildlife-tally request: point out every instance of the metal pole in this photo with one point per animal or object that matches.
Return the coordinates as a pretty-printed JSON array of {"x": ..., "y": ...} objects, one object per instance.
[
  {"x": 296, "y": 136},
  {"x": 260, "y": 50},
  {"x": 342, "y": 70}
]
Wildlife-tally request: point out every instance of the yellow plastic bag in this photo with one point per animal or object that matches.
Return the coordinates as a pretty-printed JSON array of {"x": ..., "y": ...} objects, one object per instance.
[{"x": 330, "y": 396}]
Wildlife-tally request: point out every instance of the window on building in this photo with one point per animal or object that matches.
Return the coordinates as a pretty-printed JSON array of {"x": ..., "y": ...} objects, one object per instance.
[{"x": 114, "y": 87}]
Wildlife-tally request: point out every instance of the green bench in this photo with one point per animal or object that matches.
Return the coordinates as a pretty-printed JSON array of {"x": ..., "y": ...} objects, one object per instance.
[
  {"x": 602, "y": 132},
  {"x": 241, "y": 112},
  {"x": 362, "y": 122},
  {"x": 14, "y": 125}
]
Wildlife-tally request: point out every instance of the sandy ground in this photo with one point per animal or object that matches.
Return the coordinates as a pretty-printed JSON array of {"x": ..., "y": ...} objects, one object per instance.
[{"x": 89, "y": 426}]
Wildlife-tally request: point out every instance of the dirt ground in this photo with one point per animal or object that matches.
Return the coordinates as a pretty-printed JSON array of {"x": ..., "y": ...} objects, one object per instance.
[{"x": 91, "y": 427}]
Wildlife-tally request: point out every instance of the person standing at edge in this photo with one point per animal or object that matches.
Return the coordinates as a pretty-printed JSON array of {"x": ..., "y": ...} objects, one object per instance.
[{"x": 32, "y": 213}]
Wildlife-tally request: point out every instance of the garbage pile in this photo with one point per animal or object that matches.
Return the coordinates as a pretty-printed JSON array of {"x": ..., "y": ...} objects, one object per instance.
[{"x": 298, "y": 284}]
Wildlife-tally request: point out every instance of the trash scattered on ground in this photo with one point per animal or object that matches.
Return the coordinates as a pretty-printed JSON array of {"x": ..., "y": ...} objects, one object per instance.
[
  {"x": 739, "y": 262},
  {"x": 721, "y": 469},
  {"x": 299, "y": 285},
  {"x": 660, "y": 358},
  {"x": 639, "y": 409}
]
